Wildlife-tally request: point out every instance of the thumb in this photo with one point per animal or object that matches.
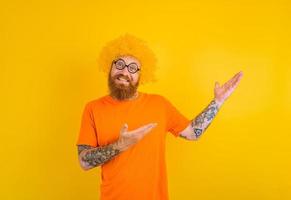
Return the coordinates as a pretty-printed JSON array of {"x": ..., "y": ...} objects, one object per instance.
[
  {"x": 124, "y": 128},
  {"x": 216, "y": 84}
]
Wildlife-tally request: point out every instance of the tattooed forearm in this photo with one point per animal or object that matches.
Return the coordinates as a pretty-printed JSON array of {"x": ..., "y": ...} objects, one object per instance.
[
  {"x": 202, "y": 121},
  {"x": 91, "y": 157}
]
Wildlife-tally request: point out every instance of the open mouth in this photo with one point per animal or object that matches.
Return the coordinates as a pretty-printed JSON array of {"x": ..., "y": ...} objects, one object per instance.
[{"x": 122, "y": 79}]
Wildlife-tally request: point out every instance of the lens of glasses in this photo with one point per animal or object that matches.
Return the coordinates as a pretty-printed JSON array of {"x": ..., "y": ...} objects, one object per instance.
[
  {"x": 120, "y": 64},
  {"x": 132, "y": 68}
]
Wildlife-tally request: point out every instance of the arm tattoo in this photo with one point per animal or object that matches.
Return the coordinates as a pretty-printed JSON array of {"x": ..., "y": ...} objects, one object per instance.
[
  {"x": 83, "y": 147},
  {"x": 92, "y": 157},
  {"x": 203, "y": 120}
]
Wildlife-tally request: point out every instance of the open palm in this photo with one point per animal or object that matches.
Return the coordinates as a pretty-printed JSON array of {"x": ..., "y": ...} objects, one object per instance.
[{"x": 221, "y": 93}]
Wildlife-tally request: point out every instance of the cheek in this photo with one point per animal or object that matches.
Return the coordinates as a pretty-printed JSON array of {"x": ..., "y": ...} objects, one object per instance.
[
  {"x": 135, "y": 79},
  {"x": 113, "y": 73}
]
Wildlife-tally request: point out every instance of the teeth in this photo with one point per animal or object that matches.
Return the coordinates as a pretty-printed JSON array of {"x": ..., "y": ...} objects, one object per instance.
[{"x": 122, "y": 79}]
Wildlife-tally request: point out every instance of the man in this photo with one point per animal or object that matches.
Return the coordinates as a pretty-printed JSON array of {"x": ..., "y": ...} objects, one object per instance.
[{"x": 124, "y": 132}]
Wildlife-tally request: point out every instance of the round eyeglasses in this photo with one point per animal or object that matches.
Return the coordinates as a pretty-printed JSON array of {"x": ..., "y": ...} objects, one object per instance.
[{"x": 120, "y": 65}]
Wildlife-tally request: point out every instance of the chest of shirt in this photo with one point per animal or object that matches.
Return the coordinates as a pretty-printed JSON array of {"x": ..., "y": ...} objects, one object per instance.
[{"x": 110, "y": 119}]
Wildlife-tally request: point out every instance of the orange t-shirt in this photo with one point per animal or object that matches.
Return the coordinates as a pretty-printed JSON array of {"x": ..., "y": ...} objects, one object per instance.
[{"x": 140, "y": 171}]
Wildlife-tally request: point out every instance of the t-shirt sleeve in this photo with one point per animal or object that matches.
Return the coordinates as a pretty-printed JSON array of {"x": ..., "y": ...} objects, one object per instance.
[
  {"x": 87, "y": 132},
  {"x": 176, "y": 121}
]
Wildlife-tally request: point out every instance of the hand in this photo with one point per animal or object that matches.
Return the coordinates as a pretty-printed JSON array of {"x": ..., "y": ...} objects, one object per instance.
[
  {"x": 221, "y": 93},
  {"x": 129, "y": 138}
]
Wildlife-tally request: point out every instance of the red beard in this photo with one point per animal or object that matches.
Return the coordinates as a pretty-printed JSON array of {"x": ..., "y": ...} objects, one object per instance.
[{"x": 121, "y": 91}]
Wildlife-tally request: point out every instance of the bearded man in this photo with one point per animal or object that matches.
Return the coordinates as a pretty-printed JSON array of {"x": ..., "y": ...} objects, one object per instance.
[{"x": 124, "y": 132}]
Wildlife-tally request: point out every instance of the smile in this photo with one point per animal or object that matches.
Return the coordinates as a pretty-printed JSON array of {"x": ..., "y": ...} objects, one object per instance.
[{"x": 122, "y": 80}]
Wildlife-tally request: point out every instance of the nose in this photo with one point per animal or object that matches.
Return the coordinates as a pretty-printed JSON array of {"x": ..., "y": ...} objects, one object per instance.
[{"x": 125, "y": 71}]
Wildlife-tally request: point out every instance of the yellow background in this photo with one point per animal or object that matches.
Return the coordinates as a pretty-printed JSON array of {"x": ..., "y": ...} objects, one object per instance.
[{"x": 48, "y": 72}]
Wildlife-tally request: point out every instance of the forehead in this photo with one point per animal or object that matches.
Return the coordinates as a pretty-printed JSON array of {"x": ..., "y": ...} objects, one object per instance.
[{"x": 130, "y": 59}]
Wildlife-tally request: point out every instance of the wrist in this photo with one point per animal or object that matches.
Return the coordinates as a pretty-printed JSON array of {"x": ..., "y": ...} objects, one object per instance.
[
  {"x": 116, "y": 146},
  {"x": 218, "y": 103}
]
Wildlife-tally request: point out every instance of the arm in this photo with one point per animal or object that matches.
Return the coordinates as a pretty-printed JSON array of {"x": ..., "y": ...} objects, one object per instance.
[
  {"x": 91, "y": 157},
  {"x": 198, "y": 125}
]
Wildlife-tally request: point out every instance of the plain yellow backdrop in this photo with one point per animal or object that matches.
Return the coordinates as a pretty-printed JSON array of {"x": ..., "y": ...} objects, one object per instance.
[{"x": 48, "y": 72}]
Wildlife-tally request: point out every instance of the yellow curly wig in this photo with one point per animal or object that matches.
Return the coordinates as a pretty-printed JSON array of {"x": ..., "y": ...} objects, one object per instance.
[{"x": 129, "y": 45}]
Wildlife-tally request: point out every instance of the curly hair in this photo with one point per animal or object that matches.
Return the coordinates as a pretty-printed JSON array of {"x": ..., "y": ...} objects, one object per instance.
[{"x": 129, "y": 45}]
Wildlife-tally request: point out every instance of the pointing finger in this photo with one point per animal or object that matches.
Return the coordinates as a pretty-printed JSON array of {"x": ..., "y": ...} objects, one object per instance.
[{"x": 144, "y": 128}]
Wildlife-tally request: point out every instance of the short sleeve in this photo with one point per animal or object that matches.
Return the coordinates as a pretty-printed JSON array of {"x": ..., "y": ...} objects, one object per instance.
[
  {"x": 87, "y": 132},
  {"x": 176, "y": 121}
]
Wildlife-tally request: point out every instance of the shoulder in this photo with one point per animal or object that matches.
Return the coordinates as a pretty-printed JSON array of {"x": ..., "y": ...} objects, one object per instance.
[
  {"x": 95, "y": 102},
  {"x": 158, "y": 98},
  {"x": 153, "y": 95}
]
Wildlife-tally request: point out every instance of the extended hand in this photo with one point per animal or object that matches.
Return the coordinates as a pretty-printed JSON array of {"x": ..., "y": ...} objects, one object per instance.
[
  {"x": 130, "y": 138},
  {"x": 221, "y": 93}
]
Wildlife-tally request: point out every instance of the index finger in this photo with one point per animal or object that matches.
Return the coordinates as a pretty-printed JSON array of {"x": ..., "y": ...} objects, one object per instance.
[
  {"x": 143, "y": 128},
  {"x": 234, "y": 80}
]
